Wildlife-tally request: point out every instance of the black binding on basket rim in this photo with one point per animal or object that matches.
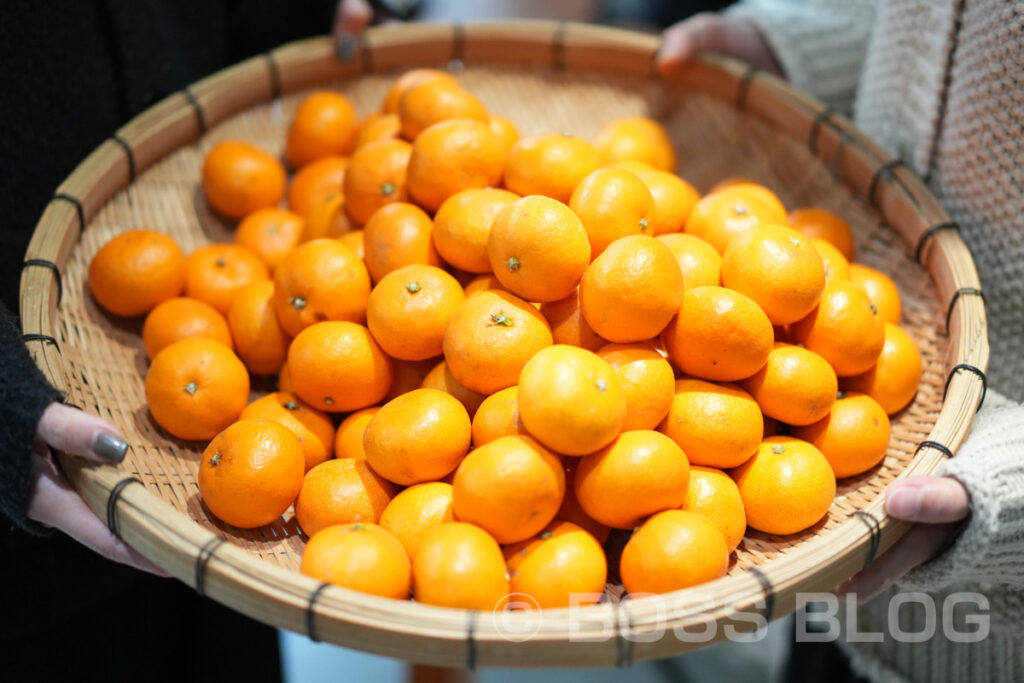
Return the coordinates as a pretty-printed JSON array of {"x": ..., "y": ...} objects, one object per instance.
[
  {"x": 769, "y": 592},
  {"x": 311, "y": 612},
  {"x": 73, "y": 200},
  {"x": 115, "y": 494},
  {"x": 936, "y": 445},
  {"x": 275, "y": 75},
  {"x": 200, "y": 114},
  {"x": 744, "y": 86},
  {"x": 123, "y": 144},
  {"x": 963, "y": 291},
  {"x": 558, "y": 46},
  {"x": 458, "y": 41},
  {"x": 820, "y": 119},
  {"x": 883, "y": 172},
  {"x": 471, "y": 653},
  {"x": 623, "y": 645},
  {"x": 970, "y": 368},
  {"x": 875, "y": 527},
  {"x": 49, "y": 265},
  {"x": 206, "y": 552},
  {"x": 45, "y": 338},
  {"x": 928, "y": 234}
]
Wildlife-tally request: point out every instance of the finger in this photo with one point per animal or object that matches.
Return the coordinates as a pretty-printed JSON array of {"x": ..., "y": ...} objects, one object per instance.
[
  {"x": 920, "y": 544},
  {"x": 351, "y": 18},
  {"x": 54, "y": 503},
  {"x": 684, "y": 41},
  {"x": 932, "y": 500},
  {"x": 74, "y": 431}
]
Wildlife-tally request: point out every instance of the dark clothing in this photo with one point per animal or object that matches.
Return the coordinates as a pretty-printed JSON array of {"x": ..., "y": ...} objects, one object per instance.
[{"x": 73, "y": 72}]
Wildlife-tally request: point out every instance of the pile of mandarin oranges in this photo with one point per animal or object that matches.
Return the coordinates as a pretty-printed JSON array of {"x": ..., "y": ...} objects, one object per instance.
[{"x": 493, "y": 350}]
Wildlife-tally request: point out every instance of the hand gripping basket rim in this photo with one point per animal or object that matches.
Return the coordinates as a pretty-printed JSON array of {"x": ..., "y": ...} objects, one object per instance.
[{"x": 609, "y": 634}]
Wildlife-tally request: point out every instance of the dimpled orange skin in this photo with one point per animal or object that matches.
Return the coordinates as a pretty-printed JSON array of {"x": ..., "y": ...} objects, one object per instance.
[
  {"x": 507, "y": 132},
  {"x": 411, "y": 79},
  {"x": 362, "y": 557},
  {"x": 326, "y": 219},
  {"x": 825, "y": 225},
  {"x": 324, "y": 124},
  {"x": 716, "y": 425},
  {"x": 398, "y": 235},
  {"x": 718, "y": 334},
  {"x": 337, "y": 367},
  {"x": 894, "y": 379},
  {"x": 571, "y": 400},
  {"x": 435, "y": 101},
  {"x": 408, "y": 375},
  {"x": 135, "y": 271},
  {"x": 464, "y": 221},
  {"x": 880, "y": 289},
  {"x": 196, "y": 387},
  {"x": 341, "y": 491},
  {"x": 612, "y": 203},
  {"x": 720, "y": 217},
  {"x": 674, "y": 199},
  {"x": 647, "y": 381},
  {"x": 713, "y": 494},
  {"x": 417, "y": 510},
  {"x": 571, "y": 510},
  {"x": 498, "y": 416},
  {"x": 853, "y": 437},
  {"x": 844, "y": 329},
  {"x": 796, "y": 386},
  {"x": 348, "y": 440},
  {"x": 216, "y": 273},
  {"x": 568, "y": 325},
  {"x": 674, "y": 549},
  {"x": 778, "y": 268},
  {"x": 409, "y": 310},
  {"x": 747, "y": 188},
  {"x": 377, "y": 127},
  {"x": 260, "y": 341},
  {"x": 640, "y": 473},
  {"x": 489, "y": 339},
  {"x": 180, "y": 318},
  {"x": 788, "y": 486},
  {"x": 317, "y": 183},
  {"x": 482, "y": 283},
  {"x": 631, "y": 291},
  {"x": 460, "y": 565},
  {"x": 636, "y": 138},
  {"x": 250, "y": 473},
  {"x": 239, "y": 178},
  {"x": 836, "y": 265},
  {"x": 451, "y": 156},
  {"x": 553, "y": 566},
  {"x": 511, "y": 487},
  {"x": 538, "y": 249},
  {"x": 419, "y": 436},
  {"x": 320, "y": 280},
  {"x": 312, "y": 427},
  {"x": 698, "y": 261},
  {"x": 270, "y": 234},
  {"x": 375, "y": 176},
  {"x": 551, "y": 164},
  {"x": 441, "y": 378}
]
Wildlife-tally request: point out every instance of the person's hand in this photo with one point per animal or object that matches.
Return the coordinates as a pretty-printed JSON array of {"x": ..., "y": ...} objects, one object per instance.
[
  {"x": 350, "y": 19},
  {"x": 53, "y": 503},
  {"x": 939, "y": 505},
  {"x": 709, "y": 32}
]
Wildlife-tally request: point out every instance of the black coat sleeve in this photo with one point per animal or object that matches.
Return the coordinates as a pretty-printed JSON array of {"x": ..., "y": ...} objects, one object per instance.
[{"x": 24, "y": 394}]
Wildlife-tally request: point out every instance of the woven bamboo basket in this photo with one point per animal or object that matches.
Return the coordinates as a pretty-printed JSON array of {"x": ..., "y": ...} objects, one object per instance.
[{"x": 725, "y": 119}]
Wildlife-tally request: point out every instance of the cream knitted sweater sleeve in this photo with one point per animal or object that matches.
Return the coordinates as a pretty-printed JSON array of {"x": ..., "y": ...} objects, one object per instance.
[
  {"x": 990, "y": 465},
  {"x": 820, "y": 44}
]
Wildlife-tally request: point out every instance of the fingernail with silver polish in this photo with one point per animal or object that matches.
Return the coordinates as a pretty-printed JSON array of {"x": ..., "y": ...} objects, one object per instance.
[
  {"x": 346, "y": 48},
  {"x": 109, "y": 446}
]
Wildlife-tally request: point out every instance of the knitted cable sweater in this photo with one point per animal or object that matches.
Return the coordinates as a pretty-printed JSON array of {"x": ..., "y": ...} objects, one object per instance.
[{"x": 940, "y": 83}]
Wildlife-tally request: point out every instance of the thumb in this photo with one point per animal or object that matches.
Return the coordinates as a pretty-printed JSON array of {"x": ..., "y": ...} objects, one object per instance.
[
  {"x": 73, "y": 431},
  {"x": 932, "y": 500}
]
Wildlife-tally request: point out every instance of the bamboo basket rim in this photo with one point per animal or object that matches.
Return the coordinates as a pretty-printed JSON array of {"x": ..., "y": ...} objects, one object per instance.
[{"x": 608, "y": 633}]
